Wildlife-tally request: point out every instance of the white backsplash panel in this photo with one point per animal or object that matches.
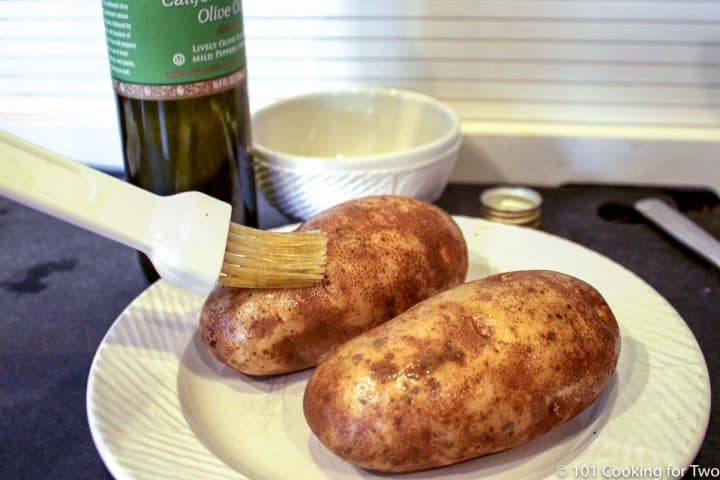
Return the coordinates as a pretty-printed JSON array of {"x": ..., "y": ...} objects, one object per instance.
[{"x": 549, "y": 91}]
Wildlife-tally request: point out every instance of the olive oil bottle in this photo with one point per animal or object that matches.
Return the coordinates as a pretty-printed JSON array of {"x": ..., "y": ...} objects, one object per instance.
[{"x": 179, "y": 76}]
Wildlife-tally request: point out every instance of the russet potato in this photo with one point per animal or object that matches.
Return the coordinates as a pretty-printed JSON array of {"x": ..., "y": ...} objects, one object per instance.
[
  {"x": 385, "y": 254},
  {"x": 479, "y": 368}
]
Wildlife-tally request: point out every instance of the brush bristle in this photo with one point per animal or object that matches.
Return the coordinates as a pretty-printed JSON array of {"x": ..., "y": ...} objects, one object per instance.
[{"x": 259, "y": 259}]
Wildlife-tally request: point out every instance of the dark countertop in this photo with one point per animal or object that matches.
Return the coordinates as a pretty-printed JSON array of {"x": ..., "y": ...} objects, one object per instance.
[{"x": 61, "y": 288}]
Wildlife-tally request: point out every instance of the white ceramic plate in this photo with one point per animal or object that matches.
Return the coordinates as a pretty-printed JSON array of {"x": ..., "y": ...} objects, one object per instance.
[{"x": 160, "y": 407}]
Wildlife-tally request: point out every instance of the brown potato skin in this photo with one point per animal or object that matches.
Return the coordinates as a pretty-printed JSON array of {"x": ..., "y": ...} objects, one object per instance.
[
  {"x": 479, "y": 368},
  {"x": 385, "y": 254}
]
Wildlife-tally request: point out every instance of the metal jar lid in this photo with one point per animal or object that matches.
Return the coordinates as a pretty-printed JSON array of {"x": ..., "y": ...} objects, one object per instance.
[{"x": 512, "y": 205}]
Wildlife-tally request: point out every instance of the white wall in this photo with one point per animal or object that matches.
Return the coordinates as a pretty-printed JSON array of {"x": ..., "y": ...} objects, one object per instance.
[{"x": 548, "y": 91}]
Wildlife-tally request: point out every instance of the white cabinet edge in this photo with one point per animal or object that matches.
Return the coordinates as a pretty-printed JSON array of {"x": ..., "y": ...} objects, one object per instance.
[
  {"x": 552, "y": 160},
  {"x": 531, "y": 154}
]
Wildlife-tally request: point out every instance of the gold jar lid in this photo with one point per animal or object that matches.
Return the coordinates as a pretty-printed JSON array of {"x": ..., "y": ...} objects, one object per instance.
[{"x": 512, "y": 205}]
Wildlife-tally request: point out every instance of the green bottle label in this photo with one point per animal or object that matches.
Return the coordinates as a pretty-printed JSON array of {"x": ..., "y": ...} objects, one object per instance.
[{"x": 168, "y": 49}]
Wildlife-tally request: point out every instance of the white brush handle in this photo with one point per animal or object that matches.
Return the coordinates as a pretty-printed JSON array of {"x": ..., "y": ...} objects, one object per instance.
[
  {"x": 75, "y": 193},
  {"x": 183, "y": 234},
  {"x": 681, "y": 228}
]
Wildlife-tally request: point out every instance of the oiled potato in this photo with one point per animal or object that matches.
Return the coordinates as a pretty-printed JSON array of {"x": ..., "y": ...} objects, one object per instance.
[
  {"x": 477, "y": 369},
  {"x": 385, "y": 254}
]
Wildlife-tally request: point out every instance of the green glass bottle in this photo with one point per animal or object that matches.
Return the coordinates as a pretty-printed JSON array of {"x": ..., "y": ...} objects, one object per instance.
[{"x": 178, "y": 69}]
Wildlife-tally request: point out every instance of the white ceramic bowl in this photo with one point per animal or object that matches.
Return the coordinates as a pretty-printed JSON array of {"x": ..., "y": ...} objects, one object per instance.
[{"x": 317, "y": 150}]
